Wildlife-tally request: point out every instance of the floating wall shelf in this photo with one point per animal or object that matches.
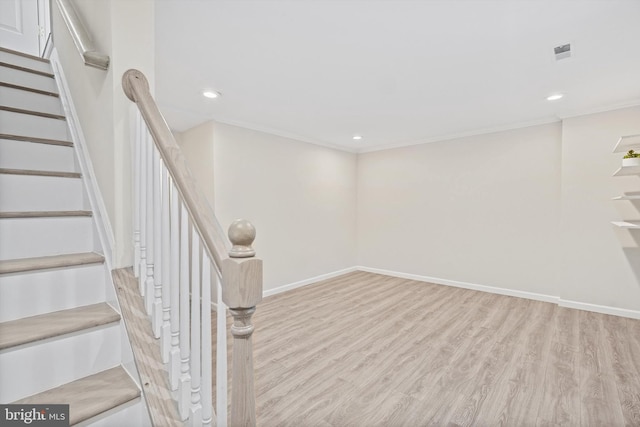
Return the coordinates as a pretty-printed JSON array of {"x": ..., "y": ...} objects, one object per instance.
[
  {"x": 628, "y": 170},
  {"x": 626, "y": 143},
  {"x": 627, "y": 198},
  {"x": 635, "y": 225}
]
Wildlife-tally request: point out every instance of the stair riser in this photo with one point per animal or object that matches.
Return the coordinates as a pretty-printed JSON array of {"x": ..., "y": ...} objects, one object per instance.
[
  {"x": 35, "y": 81},
  {"x": 32, "y": 237},
  {"x": 39, "y": 292},
  {"x": 33, "y": 126},
  {"x": 32, "y": 156},
  {"x": 40, "y": 193},
  {"x": 25, "y": 100},
  {"x": 46, "y": 364},
  {"x": 22, "y": 61}
]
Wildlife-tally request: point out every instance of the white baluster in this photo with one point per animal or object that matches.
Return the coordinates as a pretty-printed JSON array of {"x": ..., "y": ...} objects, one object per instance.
[
  {"x": 207, "y": 397},
  {"x": 165, "y": 343},
  {"x": 156, "y": 308},
  {"x": 184, "y": 397},
  {"x": 142, "y": 280},
  {"x": 150, "y": 284},
  {"x": 196, "y": 408},
  {"x": 221, "y": 356},
  {"x": 174, "y": 354},
  {"x": 135, "y": 137}
]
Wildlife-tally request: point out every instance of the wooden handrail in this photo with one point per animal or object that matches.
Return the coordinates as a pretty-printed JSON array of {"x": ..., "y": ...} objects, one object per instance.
[
  {"x": 240, "y": 271},
  {"x": 136, "y": 87},
  {"x": 80, "y": 36}
]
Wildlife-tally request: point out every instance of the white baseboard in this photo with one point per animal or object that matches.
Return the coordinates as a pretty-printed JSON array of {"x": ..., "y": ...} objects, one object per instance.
[
  {"x": 465, "y": 285},
  {"x": 615, "y": 311},
  {"x": 101, "y": 220},
  {"x": 604, "y": 309},
  {"x": 306, "y": 282}
]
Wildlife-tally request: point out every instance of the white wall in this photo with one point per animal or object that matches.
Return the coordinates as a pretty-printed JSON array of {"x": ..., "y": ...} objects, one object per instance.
[
  {"x": 124, "y": 30},
  {"x": 197, "y": 147},
  {"x": 524, "y": 210},
  {"x": 482, "y": 209},
  {"x": 300, "y": 197},
  {"x": 601, "y": 263}
]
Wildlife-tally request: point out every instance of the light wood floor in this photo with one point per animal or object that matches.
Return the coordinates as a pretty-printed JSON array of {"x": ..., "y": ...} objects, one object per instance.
[{"x": 371, "y": 350}]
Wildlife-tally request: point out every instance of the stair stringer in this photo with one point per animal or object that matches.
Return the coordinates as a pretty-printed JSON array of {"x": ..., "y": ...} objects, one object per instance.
[
  {"x": 104, "y": 243},
  {"x": 103, "y": 230}
]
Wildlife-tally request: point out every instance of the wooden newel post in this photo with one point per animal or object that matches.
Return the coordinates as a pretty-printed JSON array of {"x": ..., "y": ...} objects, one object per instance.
[{"x": 241, "y": 292}]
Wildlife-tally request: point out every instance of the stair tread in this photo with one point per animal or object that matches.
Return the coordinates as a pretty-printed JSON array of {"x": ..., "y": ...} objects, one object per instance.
[
  {"x": 32, "y": 113},
  {"x": 40, "y": 173},
  {"x": 46, "y": 262},
  {"x": 36, "y": 140},
  {"x": 26, "y": 55},
  {"x": 90, "y": 396},
  {"x": 26, "y": 69},
  {"x": 29, "y": 89},
  {"x": 43, "y": 214},
  {"x": 49, "y": 325}
]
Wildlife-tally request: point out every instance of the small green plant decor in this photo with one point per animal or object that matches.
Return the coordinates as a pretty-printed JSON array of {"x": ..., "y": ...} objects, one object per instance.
[{"x": 631, "y": 159}]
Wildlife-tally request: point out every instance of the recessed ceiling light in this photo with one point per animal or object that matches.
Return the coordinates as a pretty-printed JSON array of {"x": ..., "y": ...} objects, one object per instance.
[
  {"x": 357, "y": 137},
  {"x": 554, "y": 97},
  {"x": 211, "y": 94}
]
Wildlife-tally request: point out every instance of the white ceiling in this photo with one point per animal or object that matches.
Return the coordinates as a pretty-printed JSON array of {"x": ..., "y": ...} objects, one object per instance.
[{"x": 396, "y": 72}]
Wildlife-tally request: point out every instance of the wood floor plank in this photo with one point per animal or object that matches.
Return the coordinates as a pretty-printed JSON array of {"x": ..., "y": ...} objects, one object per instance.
[
  {"x": 633, "y": 338},
  {"x": 399, "y": 359},
  {"x": 628, "y": 386},
  {"x": 617, "y": 348},
  {"x": 530, "y": 368},
  {"x": 561, "y": 393},
  {"x": 566, "y": 328},
  {"x": 600, "y": 403},
  {"x": 476, "y": 376},
  {"x": 383, "y": 351}
]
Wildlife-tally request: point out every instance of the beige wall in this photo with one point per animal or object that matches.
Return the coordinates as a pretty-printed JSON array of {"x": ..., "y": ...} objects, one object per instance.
[
  {"x": 125, "y": 31},
  {"x": 525, "y": 210},
  {"x": 482, "y": 209},
  {"x": 197, "y": 147},
  {"x": 300, "y": 197},
  {"x": 601, "y": 263}
]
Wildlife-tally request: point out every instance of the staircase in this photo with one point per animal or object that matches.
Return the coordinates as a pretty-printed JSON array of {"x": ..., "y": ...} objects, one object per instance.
[{"x": 61, "y": 335}]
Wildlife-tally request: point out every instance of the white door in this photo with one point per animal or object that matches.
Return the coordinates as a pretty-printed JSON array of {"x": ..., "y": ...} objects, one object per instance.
[{"x": 19, "y": 28}]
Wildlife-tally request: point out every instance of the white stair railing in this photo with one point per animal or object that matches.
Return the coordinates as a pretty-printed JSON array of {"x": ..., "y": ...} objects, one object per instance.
[{"x": 180, "y": 254}]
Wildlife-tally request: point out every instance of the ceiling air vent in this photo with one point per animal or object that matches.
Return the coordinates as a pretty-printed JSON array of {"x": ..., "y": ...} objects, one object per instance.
[{"x": 562, "y": 51}]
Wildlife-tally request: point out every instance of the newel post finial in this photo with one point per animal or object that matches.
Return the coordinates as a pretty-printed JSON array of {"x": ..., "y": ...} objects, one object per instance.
[
  {"x": 241, "y": 292},
  {"x": 242, "y": 234}
]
